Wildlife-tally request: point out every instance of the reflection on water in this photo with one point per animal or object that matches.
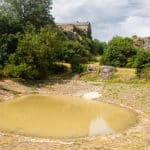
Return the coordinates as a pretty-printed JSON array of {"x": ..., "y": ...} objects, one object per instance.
[
  {"x": 62, "y": 116},
  {"x": 99, "y": 126}
]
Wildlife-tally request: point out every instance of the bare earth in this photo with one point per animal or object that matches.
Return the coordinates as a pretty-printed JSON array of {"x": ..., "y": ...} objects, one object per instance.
[{"x": 133, "y": 96}]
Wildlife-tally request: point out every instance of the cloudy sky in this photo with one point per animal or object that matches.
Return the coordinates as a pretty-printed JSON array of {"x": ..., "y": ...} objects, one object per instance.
[{"x": 108, "y": 17}]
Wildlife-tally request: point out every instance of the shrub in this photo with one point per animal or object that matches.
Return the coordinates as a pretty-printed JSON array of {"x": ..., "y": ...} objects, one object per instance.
[
  {"x": 8, "y": 45},
  {"x": 78, "y": 68},
  {"x": 118, "y": 51},
  {"x": 35, "y": 54},
  {"x": 21, "y": 71},
  {"x": 131, "y": 62},
  {"x": 1, "y": 74},
  {"x": 74, "y": 50},
  {"x": 143, "y": 64},
  {"x": 98, "y": 47},
  {"x": 58, "y": 68},
  {"x": 145, "y": 73}
]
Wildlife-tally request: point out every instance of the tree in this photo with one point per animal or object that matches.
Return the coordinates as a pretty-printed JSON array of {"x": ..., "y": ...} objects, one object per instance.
[
  {"x": 75, "y": 54},
  {"x": 143, "y": 64},
  {"x": 118, "y": 51},
  {"x": 9, "y": 25},
  {"x": 74, "y": 51},
  {"x": 36, "y": 12},
  {"x": 8, "y": 38},
  {"x": 35, "y": 55},
  {"x": 8, "y": 45}
]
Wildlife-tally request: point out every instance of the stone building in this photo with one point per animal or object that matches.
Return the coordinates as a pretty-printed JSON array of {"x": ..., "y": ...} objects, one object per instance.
[
  {"x": 66, "y": 26},
  {"x": 142, "y": 42},
  {"x": 146, "y": 43},
  {"x": 70, "y": 27}
]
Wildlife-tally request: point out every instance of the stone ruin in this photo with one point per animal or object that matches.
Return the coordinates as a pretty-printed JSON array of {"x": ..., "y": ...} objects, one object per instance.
[
  {"x": 142, "y": 42},
  {"x": 71, "y": 27}
]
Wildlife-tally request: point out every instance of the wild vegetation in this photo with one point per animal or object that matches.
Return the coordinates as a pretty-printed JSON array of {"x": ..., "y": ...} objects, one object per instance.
[
  {"x": 31, "y": 45},
  {"x": 120, "y": 52}
]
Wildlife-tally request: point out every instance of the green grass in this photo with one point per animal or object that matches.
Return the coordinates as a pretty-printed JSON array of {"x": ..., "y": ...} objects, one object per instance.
[
  {"x": 123, "y": 75},
  {"x": 89, "y": 77}
]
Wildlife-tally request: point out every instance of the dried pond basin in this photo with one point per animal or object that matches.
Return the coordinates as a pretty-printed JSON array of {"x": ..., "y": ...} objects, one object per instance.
[{"x": 62, "y": 116}]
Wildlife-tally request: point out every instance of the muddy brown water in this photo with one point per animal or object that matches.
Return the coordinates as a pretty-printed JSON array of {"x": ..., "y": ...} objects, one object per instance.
[{"x": 62, "y": 116}]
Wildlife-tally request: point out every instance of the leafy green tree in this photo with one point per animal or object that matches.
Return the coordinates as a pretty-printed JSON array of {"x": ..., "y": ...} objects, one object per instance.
[
  {"x": 22, "y": 70},
  {"x": 36, "y": 12},
  {"x": 85, "y": 40},
  {"x": 143, "y": 64},
  {"x": 8, "y": 39},
  {"x": 9, "y": 25},
  {"x": 35, "y": 54},
  {"x": 75, "y": 54},
  {"x": 118, "y": 51},
  {"x": 98, "y": 47},
  {"x": 8, "y": 45},
  {"x": 74, "y": 51}
]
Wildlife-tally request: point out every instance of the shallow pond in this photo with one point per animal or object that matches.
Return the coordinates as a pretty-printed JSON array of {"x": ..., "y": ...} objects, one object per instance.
[{"x": 62, "y": 116}]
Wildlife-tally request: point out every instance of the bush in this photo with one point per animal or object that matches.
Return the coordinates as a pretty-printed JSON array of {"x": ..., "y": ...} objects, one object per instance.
[
  {"x": 10, "y": 25},
  {"x": 75, "y": 54},
  {"x": 35, "y": 54},
  {"x": 1, "y": 74},
  {"x": 118, "y": 52},
  {"x": 78, "y": 68},
  {"x": 58, "y": 68},
  {"x": 21, "y": 71},
  {"x": 98, "y": 47},
  {"x": 8, "y": 45},
  {"x": 143, "y": 64},
  {"x": 74, "y": 50},
  {"x": 92, "y": 58},
  {"x": 131, "y": 62},
  {"x": 145, "y": 73}
]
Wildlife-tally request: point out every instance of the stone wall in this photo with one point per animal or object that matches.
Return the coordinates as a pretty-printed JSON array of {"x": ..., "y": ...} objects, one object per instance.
[
  {"x": 66, "y": 27},
  {"x": 70, "y": 27},
  {"x": 142, "y": 42},
  {"x": 147, "y": 43}
]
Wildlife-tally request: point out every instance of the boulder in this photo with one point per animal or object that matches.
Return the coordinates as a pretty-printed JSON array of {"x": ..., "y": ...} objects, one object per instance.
[
  {"x": 107, "y": 71},
  {"x": 91, "y": 68}
]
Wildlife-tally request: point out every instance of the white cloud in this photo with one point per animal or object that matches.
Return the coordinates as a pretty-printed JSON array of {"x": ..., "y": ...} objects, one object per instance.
[
  {"x": 108, "y": 17},
  {"x": 136, "y": 25}
]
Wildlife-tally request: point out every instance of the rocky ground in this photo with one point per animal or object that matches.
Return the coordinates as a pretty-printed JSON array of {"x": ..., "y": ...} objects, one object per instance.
[{"x": 133, "y": 96}]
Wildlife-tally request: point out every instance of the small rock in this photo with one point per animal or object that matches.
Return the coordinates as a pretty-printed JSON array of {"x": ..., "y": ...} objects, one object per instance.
[
  {"x": 91, "y": 68},
  {"x": 91, "y": 95},
  {"x": 107, "y": 71}
]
